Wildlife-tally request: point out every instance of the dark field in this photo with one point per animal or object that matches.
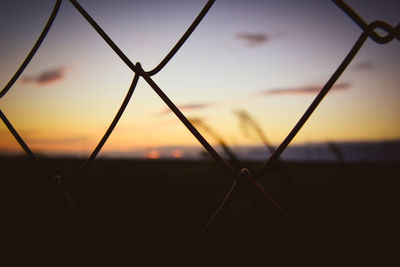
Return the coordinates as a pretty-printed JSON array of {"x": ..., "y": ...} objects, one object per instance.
[{"x": 148, "y": 212}]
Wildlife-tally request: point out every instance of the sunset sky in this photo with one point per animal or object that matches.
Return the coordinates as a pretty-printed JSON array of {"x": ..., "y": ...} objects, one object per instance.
[{"x": 268, "y": 58}]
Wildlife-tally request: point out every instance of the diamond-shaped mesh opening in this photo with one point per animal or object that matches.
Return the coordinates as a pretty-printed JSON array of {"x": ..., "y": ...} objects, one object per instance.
[
  {"x": 248, "y": 198},
  {"x": 68, "y": 99},
  {"x": 19, "y": 32},
  {"x": 151, "y": 196}
]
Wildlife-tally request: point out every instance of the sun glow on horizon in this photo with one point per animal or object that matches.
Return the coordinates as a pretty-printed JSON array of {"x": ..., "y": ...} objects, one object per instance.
[
  {"x": 153, "y": 154},
  {"x": 270, "y": 65}
]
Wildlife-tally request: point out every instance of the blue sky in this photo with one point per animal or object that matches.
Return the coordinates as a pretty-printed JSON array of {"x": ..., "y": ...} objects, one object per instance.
[{"x": 240, "y": 54}]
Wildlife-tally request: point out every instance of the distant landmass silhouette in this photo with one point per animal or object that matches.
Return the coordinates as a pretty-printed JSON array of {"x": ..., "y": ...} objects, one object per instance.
[{"x": 364, "y": 151}]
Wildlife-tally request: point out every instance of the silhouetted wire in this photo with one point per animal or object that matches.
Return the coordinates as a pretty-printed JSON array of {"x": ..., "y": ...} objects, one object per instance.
[
  {"x": 368, "y": 31},
  {"x": 58, "y": 179},
  {"x": 124, "y": 57},
  {"x": 104, "y": 35},
  {"x": 159, "y": 67},
  {"x": 45, "y": 171},
  {"x": 163, "y": 96},
  {"x": 165, "y": 61},
  {"x": 314, "y": 104},
  {"x": 215, "y": 214},
  {"x": 33, "y": 50},
  {"x": 369, "y": 28},
  {"x": 187, "y": 123},
  {"x": 155, "y": 87},
  {"x": 246, "y": 174},
  {"x": 351, "y": 13},
  {"x": 24, "y": 146},
  {"x": 124, "y": 104},
  {"x": 19, "y": 139},
  {"x": 246, "y": 121},
  {"x": 111, "y": 127},
  {"x": 183, "y": 39}
]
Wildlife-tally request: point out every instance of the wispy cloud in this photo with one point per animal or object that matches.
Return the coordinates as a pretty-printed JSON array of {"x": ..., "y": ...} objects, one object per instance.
[
  {"x": 253, "y": 39},
  {"x": 46, "y": 77},
  {"x": 365, "y": 65},
  {"x": 304, "y": 90},
  {"x": 188, "y": 107}
]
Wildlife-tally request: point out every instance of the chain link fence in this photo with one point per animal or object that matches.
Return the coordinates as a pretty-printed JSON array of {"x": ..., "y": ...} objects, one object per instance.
[{"x": 241, "y": 177}]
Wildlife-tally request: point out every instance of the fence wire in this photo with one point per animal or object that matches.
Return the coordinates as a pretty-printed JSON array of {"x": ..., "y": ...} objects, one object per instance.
[{"x": 241, "y": 177}]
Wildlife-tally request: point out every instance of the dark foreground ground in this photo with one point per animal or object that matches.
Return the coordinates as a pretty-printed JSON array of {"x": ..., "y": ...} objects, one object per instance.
[{"x": 149, "y": 212}]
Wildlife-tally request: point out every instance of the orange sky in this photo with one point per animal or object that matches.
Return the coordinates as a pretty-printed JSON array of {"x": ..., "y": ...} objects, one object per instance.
[{"x": 265, "y": 58}]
